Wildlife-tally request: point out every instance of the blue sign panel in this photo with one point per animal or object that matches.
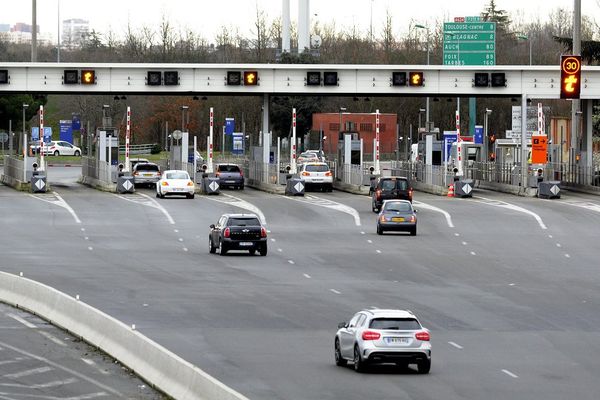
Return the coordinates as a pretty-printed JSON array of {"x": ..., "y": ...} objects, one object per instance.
[
  {"x": 478, "y": 137},
  {"x": 238, "y": 143},
  {"x": 35, "y": 133},
  {"x": 229, "y": 125},
  {"x": 76, "y": 123},
  {"x": 449, "y": 138},
  {"x": 66, "y": 130}
]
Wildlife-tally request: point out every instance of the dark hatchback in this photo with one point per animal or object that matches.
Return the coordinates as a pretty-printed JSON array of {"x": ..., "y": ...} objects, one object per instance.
[
  {"x": 238, "y": 232},
  {"x": 397, "y": 215},
  {"x": 389, "y": 188},
  {"x": 230, "y": 175}
]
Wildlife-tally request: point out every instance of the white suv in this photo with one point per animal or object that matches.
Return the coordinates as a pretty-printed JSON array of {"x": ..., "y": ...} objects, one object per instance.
[
  {"x": 316, "y": 174},
  {"x": 383, "y": 336}
]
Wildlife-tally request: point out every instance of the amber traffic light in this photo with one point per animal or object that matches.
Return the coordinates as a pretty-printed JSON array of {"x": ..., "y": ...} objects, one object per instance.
[
  {"x": 570, "y": 77},
  {"x": 88, "y": 77},
  {"x": 250, "y": 78},
  {"x": 415, "y": 79}
]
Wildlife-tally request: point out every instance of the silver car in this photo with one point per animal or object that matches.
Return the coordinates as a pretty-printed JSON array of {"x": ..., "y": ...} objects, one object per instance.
[{"x": 383, "y": 336}]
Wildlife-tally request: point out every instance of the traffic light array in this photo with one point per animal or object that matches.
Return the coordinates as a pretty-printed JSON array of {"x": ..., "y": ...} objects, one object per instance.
[
  {"x": 75, "y": 77},
  {"x": 3, "y": 76},
  {"x": 482, "y": 79},
  {"x": 236, "y": 78},
  {"x": 414, "y": 78},
  {"x": 570, "y": 77},
  {"x": 313, "y": 78},
  {"x": 167, "y": 78}
]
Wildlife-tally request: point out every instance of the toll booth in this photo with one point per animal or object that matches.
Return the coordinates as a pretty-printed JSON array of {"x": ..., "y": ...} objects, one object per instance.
[
  {"x": 108, "y": 149},
  {"x": 430, "y": 150},
  {"x": 464, "y": 155},
  {"x": 350, "y": 152},
  {"x": 179, "y": 149}
]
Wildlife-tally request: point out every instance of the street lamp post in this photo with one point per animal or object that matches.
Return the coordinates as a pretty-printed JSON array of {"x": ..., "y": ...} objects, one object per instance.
[
  {"x": 25, "y": 106},
  {"x": 427, "y": 98},
  {"x": 525, "y": 37},
  {"x": 421, "y": 111},
  {"x": 183, "y": 110},
  {"x": 485, "y": 133}
]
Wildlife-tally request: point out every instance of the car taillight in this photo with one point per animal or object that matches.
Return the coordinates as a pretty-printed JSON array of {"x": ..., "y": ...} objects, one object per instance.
[
  {"x": 226, "y": 232},
  {"x": 424, "y": 336},
  {"x": 328, "y": 173},
  {"x": 165, "y": 183},
  {"x": 410, "y": 192},
  {"x": 370, "y": 335},
  {"x": 190, "y": 183},
  {"x": 263, "y": 232},
  {"x": 135, "y": 173},
  {"x": 305, "y": 173},
  {"x": 241, "y": 173},
  {"x": 378, "y": 194},
  {"x": 217, "y": 174},
  {"x": 413, "y": 218}
]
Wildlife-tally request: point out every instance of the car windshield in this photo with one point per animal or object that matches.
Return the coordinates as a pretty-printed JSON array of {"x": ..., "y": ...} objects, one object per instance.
[
  {"x": 400, "y": 324},
  {"x": 391, "y": 184},
  {"x": 245, "y": 221},
  {"x": 397, "y": 206},
  {"x": 178, "y": 175},
  {"x": 146, "y": 167},
  {"x": 229, "y": 168},
  {"x": 309, "y": 155},
  {"x": 317, "y": 168}
]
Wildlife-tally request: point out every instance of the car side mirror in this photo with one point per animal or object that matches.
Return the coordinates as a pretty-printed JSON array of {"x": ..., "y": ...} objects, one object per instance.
[
  {"x": 342, "y": 325},
  {"x": 416, "y": 211},
  {"x": 212, "y": 226}
]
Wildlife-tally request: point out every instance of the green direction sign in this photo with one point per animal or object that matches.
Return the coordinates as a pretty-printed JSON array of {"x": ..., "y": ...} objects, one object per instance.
[{"x": 470, "y": 43}]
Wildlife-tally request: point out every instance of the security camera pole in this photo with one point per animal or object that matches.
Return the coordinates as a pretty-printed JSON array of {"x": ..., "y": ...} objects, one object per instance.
[{"x": 293, "y": 169}]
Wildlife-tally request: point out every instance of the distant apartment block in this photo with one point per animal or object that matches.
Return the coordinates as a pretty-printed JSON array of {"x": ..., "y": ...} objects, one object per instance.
[
  {"x": 4, "y": 27},
  {"x": 21, "y": 33},
  {"x": 74, "y": 32}
]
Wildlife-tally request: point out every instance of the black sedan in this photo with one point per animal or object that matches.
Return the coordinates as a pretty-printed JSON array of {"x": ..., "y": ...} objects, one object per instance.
[{"x": 238, "y": 232}]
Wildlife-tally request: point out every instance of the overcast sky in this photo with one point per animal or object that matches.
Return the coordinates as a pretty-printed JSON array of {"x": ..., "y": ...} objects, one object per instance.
[{"x": 206, "y": 16}]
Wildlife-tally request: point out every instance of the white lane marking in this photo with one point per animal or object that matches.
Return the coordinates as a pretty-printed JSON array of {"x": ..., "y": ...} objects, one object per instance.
[
  {"x": 507, "y": 372},
  {"x": 280, "y": 250},
  {"x": 21, "y": 320},
  {"x": 237, "y": 202},
  {"x": 16, "y": 360},
  {"x": 176, "y": 230},
  {"x": 458, "y": 346},
  {"x": 92, "y": 363},
  {"x": 362, "y": 232},
  {"x": 378, "y": 251},
  {"x": 456, "y": 234},
  {"x": 581, "y": 204},
  {"x": 558, "y": 245},
  {"x": 335, "y": 291},
  {"x": 307, "y": 276},
  {"x": 86, "y": 238},
  {"x": 464, "y": 243},
  {"x": 57, "y": 201},
  {"x": 446, "y": 214},
  {"x": 41, "y": 385},
  {"x": 180, "y": 239},
  {"x": 52, "y": 338},
  {"x": 90, "y": 248},
  {"x": 567, "y": 255},
  {"x": 28, "y": 372},
  {"x": 148, "y": 202},
  {"x": 511, "y": 284},
  {"x": 273, "y": 240},
  {"x": 185, "y": 249},
  {"x": 369, "y": 241},
  {"x": 550, "y": 236},
  {"x": 509, "y": 206},
  {"x": 291, "y": 262},
  {"x": 333, "y": 205},
  {"x": 473, "y": 253},
  {"x": 82, "y": 229}
]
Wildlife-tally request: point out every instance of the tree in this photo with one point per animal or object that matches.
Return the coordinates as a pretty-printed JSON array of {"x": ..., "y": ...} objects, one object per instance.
[{"x": 492, "y": 14}]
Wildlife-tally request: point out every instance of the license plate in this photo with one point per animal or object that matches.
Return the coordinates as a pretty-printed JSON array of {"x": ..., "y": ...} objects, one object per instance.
[
  {"x": 246, "y": 243},
  {"x": 397, "y": 340},
  {"x": 397, "y": 219},
  {"x": 229, "y": 181},
  {"x": 147, "y": 174},
  {"x": 177, "y": 190}
]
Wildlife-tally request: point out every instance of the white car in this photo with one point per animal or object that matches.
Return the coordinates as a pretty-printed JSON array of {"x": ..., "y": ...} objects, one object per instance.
[
  {"x": 175, "y": 182},
  {"x": 316, "y": 174},
  {"x": 58, "y": 148},
  {"x": 308, "y": 156}
]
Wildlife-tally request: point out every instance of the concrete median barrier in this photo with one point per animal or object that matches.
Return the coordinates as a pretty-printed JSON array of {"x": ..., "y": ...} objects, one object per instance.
[{"x": 158, "y": 366}]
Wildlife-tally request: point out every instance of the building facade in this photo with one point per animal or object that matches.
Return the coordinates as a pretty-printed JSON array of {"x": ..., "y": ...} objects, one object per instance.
[{"x": 74, "y": 32}]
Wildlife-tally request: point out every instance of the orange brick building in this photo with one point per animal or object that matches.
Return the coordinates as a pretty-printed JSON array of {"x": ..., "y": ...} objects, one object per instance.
[{"x": 361, "y": 123}]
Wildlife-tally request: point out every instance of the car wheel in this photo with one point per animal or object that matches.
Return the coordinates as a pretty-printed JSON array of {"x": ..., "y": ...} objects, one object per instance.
[
  {"x": 359, "y": 364},
  {"x": 252, "y": 252},
  {"x": 424, "y": 366},
  {"x": 222, "y": 249},
  {"x": 263, "y": 250},
  {"x": 339, "y": 360},
  {"x": 211, "y": 246},
  {"x": 242, "y": 187},
  {"x": 379, "y": 230},
  {"x": 190, "y": 196},
  {"x": 374, "y": 206},
  {"x": 56, "y": 153},
  {"x": 157, "y": 195},
  {"x": 413, "y": 231},
  {"x": 77, "y": 153},
  {"x": 330, "y": 188}
]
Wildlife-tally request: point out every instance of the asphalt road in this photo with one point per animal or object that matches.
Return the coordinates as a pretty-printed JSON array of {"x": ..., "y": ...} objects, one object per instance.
[
  {"x": 39, "y": 361},
  {"x": 507, "y": 285}
]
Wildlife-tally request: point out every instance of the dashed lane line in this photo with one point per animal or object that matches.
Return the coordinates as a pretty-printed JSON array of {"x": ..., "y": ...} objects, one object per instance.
[
  {"x": 55, "y": 199},
  {"x": 21, "y": 320},
  {"x": 458, "y": 346},
  {"x": 509, "y": 206},
  {"x": 307, "y": 276},
  {"x": 445, "y": 213},
  {"x": 29, "y": 372},
  {"x": 335, "y": 291},
  {"x": 507, "y": 372}
]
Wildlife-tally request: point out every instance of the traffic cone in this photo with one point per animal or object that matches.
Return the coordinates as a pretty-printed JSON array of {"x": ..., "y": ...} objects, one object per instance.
[{"x": 451, "y": 190}]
